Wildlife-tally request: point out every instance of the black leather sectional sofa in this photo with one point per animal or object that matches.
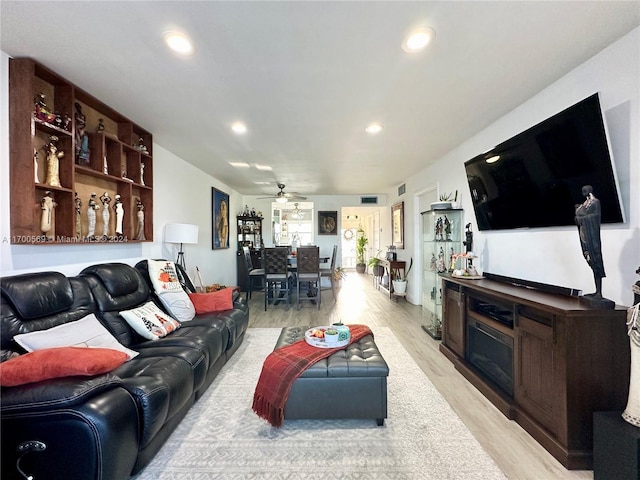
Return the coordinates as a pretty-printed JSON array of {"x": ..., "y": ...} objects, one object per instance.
[{"x": 108, "y": 426}]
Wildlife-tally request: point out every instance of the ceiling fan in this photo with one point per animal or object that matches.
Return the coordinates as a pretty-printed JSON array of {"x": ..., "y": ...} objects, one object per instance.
[{"x": 283, "y": 197}]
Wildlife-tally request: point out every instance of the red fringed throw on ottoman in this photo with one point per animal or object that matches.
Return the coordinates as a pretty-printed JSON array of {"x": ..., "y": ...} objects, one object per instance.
[{"x": 283, "y": 366}]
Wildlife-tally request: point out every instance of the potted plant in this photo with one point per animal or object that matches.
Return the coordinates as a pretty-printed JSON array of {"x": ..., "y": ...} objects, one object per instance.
[
  {"x": 361, "y": 245},
  {"x": 331, "y": 336},
  {"x": 374, "y": 262},
  {"x": 400, "y": 282},
  {"x": 339, "y": 274},
  {"x": 447, "y": 200}
]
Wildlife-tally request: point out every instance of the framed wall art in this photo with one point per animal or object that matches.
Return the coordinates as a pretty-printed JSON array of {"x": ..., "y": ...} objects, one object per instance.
[
  {"x": 397, "y": 225},
  {"x": 328, "y": 223},
  {"x": 220, "y": 219}
]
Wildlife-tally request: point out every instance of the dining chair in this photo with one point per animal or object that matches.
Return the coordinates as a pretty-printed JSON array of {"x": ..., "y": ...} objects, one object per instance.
[
  {"x": 329, "y": 272},
  {"x": 255, "y": 274},
  {"x": 277, "y": 277},
  {"x": 308, "y": 260}
]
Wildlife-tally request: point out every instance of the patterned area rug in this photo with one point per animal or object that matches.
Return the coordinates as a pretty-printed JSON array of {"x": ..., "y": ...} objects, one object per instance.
[{"x": 222, "y": 438}]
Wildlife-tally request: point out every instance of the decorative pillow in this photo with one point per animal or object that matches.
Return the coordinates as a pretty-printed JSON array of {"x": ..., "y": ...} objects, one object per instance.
[
  {"x": 213, "y": 301},
  {"x": 59, "y": 362},
  {"x": 87, "y": 332},
  {"x": 150, "y": 322},
  {"x": 169, "y": 290}
]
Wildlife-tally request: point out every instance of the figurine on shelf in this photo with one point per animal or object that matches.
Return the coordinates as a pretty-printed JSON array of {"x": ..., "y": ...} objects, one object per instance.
[
  {"x": 447, "y": 228},
  {"x": 468, "y": 243},
  {"x": 78, "y": 205},
  {"x": 106, "y": 214},
  {"x": 100, "y": 126},
  {"x": 66, "y": 122},
  {"x": 82, "y": 139},
  {"x": 42, "y": 112},
  {"x": 91, "y": 216},
  {"x": 58, "y": 120},
  {"x": 140, "y": 146},
  {"x": 119, "y": 209},
  {"x": 35, "y": 166},
  {"x": 253, "y": 212},
  {"x": 432, "y": 263},
  {"x": 440, "y": 265},
  {"x": 140, "y": 214},
  {"x": 105, "y": 165},
  {"x": 53, "y": 162},
  {"x": 246, "y": 211},
  {"x": 47, "y": 205},
  {"x": 142, "y": 174},
  {"x": 439, "y": 227}
]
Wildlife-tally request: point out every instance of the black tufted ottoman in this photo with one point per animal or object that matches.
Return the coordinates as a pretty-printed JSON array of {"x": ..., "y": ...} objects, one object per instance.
[{"x": 351, "y": 383}]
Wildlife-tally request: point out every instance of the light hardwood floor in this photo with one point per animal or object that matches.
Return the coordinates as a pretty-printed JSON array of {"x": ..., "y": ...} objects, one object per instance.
[{"x": 518, "y": 455}]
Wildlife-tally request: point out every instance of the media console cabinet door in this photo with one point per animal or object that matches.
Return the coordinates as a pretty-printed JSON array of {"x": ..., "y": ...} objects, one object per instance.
[
  {"x": 540, "y": 377},
  {"x": 453, "y": 319}
]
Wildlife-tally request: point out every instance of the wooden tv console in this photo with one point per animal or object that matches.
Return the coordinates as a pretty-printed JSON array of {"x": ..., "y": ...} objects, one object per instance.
[{"x": 569, "y": 360}]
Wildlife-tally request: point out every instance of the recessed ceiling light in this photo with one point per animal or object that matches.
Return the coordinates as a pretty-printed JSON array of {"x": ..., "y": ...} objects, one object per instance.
[
  {"x": 263, "y": 167},
  {"x": 178, "y": 42},
  {"x": 493, "y": 159},
  {"x": 239, "y": 164},
  {"x": 373, "y": 128},
  {"x": 418, "y": 39},
  {"x": 239, "y": 128}
]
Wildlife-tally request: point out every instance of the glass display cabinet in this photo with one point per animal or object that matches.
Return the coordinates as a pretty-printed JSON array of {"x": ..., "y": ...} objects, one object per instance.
[{"x": 442, "y": 233}]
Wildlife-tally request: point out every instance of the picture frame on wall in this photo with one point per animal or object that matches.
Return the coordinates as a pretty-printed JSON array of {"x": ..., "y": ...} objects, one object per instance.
[
  {"x": 219, "y": 219},
  {"x": 327, "y": 223},
  {"x": 397, "y": 225}
]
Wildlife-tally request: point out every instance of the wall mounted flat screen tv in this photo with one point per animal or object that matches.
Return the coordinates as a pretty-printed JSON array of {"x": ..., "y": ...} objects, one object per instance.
[{"x": 535, "y": 179}]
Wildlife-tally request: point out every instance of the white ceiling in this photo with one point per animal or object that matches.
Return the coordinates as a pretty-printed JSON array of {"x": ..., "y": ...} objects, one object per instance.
[{"x": 307, "y": 77}]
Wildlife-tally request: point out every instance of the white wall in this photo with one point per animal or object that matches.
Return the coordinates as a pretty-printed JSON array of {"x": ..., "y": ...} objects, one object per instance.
[
  {"x": 182, "y": 194},
  {"x": 553, "y": 255}
]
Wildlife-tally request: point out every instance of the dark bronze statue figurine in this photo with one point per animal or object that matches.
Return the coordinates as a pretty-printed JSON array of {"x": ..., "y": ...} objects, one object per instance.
[{"x": 588, "y": 222}]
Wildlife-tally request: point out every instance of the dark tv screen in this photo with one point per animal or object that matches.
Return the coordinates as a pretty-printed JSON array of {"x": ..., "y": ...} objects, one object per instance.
[{"x": 536, "y": 178}]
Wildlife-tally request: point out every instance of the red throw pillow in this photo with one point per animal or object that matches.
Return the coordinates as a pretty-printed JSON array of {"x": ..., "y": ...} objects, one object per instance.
[
  {"x": 59, "y": 362},
  {"x": 212, "y": 301}
]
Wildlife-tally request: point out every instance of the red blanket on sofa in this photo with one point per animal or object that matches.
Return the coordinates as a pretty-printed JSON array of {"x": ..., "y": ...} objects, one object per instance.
[{"x": 283, "y": 366}]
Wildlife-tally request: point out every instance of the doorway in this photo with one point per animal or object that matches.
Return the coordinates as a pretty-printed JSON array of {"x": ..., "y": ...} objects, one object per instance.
[{"x": 353, "y": 218}]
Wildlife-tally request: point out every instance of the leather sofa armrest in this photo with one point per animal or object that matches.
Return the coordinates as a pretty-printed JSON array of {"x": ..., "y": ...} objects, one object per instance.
[
  {"x": 54, "y": 394},
  {"x": 95, "y": 438}
]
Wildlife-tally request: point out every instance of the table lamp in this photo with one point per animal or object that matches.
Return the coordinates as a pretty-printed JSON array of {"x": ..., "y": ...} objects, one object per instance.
[{"x": 180, "y": 233}]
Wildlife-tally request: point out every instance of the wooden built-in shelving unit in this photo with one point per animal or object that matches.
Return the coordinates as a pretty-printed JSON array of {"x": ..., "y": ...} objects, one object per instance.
[{"x": 116, "y": 165}]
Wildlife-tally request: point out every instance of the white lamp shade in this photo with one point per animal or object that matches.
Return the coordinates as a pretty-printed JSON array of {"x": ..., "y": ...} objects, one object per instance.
[{"x": 180, "y": 233}]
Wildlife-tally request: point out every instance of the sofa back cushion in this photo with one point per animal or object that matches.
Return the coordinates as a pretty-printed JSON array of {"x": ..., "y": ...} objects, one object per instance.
[
  {"x": 117, "y": 287},
  {"x": 39, "y": 301}
]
